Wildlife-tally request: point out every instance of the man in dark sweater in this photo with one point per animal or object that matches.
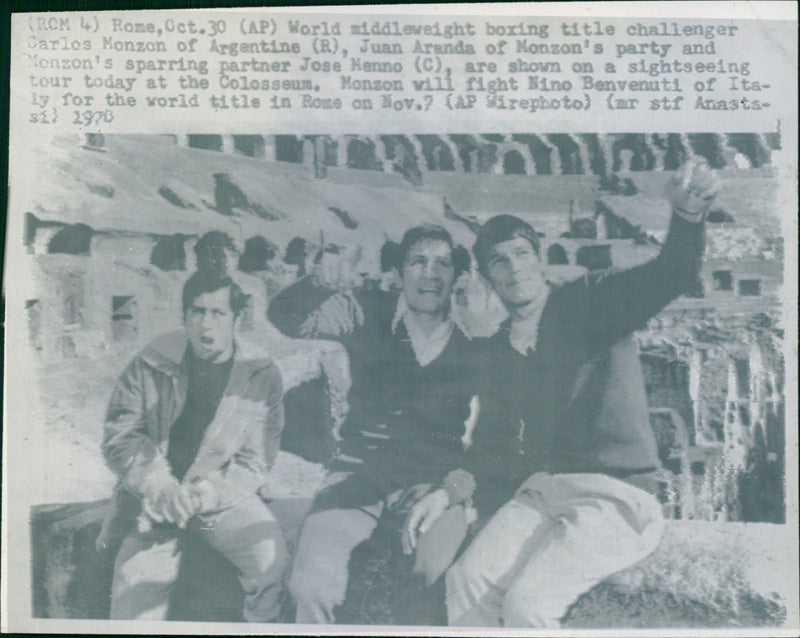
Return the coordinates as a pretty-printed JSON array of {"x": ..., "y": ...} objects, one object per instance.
[
  {"x": 558, "y": 434},
  {"x": 413, "y": 382}
]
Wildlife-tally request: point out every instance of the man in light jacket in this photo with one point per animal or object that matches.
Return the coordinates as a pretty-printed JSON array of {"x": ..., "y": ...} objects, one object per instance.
[{"x": 192, "y": 429}]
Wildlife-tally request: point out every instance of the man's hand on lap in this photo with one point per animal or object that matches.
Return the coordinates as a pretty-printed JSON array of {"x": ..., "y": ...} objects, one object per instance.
[{"x": 422, "y": 517}]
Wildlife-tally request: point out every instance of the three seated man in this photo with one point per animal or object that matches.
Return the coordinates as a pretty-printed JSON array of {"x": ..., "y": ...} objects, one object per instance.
[{"x": 544, "y": 503}]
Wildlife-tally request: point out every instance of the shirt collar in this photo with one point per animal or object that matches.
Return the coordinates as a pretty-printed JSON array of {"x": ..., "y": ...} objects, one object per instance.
[
  {"x": 427, "y": 348},
  {"x": 524, "y": 333}
]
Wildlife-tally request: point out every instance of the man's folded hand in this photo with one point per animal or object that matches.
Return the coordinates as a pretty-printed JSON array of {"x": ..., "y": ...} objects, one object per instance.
[
  {"x": 171, "y": 504},
  {"x": 204, "y": 496}
]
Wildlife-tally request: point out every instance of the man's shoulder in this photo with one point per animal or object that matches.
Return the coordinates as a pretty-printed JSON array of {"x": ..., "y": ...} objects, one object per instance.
[
  {"x": 259, "y": 363},
  {"x": 253, "y": 355},
  {"x": 165, "y": 351}
]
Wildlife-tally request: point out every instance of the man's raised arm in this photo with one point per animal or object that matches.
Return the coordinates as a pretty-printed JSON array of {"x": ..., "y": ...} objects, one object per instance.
[
  {"x": 618, "y": 302},
  {"x": 318, "y": 305}
]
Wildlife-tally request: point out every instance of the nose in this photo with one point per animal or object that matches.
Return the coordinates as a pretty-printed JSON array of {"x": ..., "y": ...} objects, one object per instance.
[
  {"x": 515, "y": 264},
  {"x": 431, "y": 270}
]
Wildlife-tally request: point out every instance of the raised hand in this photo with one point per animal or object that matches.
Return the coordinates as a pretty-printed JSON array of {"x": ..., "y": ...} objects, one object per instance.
[{"x": 693, "y": 189}]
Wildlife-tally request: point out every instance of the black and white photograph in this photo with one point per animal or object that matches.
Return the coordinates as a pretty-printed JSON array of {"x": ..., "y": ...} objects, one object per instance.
[{"x": 450, "y": 381}]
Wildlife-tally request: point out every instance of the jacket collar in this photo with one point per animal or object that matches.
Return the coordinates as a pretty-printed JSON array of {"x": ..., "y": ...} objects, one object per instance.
[{"x": 166, "y": 353}]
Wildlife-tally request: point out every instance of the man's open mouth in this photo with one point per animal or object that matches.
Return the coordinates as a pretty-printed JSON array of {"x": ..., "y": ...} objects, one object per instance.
[{"x": 206, "y": 341}]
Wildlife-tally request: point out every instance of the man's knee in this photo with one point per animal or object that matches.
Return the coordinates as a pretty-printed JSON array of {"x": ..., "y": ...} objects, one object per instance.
[
  {"x": 315, "y": 587},
  {"x": 270, "y": 561},
  {"x": 145, "y": 570}
]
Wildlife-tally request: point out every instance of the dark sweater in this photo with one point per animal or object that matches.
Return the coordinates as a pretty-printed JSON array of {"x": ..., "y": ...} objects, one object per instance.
[
  {"x": 405, "y": 420},
  {"x": 577, "y": 403},
  {"x": 206, "y": 386}
]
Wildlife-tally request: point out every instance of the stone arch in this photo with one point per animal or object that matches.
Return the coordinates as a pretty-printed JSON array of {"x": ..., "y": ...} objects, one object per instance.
[
  {"x": 539, "y": 152},
  {"x": 557, "y": 255},
  {"x": 642, "y": 159},
  {"x": 569, "y": 153},
  {"x": 439, "y": 155}
]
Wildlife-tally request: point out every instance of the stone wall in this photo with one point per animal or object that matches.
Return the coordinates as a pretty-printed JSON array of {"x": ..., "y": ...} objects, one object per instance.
[{"x": 709, "y": 575}]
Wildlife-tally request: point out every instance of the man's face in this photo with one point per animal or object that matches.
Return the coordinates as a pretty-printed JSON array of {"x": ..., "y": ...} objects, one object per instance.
[
  {"x": 209, "y": 323},
  {"x": 428, "y": 276},
  {"x": 515, "y": 271}
]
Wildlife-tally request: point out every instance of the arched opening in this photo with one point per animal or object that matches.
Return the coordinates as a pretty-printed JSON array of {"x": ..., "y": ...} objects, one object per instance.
[
  {"x": 722, "y": 279},
  {"x": 250, "y": 145},
  {"x": 361, "y": 154},
  {"x": 643, "y": 157},
  {"x": 296, "y": 255},
  {"x": 750, "y": 146},
  {"x": 169, "y": 253},
  {"x": 257, "y": 252},
  {"x": 288, "y": 148},
  {"x": 513, "y": 163},
  {"x": 206, "y": 142},
  {"x": 75, "y": 239},
  {"x": 557, "y": 255}
]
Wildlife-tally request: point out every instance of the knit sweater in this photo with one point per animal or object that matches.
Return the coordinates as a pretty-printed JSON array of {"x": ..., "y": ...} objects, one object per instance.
[
  {"x": 577, "y": 403},
  {"x": 406, "y": 420}
]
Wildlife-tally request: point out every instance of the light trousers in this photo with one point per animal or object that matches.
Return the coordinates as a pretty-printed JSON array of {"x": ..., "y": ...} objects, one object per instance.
[
  {"x": 247, "y": 534},
  {"x": 320, "y": 572},
  {"x": 558, "y": 537}
]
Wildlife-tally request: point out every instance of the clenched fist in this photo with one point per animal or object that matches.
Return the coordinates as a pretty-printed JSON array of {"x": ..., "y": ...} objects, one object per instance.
[{"x": 693, "y": 189}]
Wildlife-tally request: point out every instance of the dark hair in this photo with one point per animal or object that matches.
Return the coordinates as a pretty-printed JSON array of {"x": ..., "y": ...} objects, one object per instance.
[
  {"x": 204, "y": 281},
  {"x": 497, "y": 230},
  {"x": 432, "y": 232},
  {"x": 390, "y": 256},
  {"x": 461, "y": 259}
]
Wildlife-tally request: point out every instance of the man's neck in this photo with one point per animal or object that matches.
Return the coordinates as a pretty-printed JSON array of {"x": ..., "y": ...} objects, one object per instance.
[
  {"x": 534, "y": 306},
  {"x": 427, "y": 322},
  {"x": 222, "y": 357}
]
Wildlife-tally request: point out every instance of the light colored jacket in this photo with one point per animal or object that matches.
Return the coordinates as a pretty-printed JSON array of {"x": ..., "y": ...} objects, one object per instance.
[{"x": 238, "y": 448}]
